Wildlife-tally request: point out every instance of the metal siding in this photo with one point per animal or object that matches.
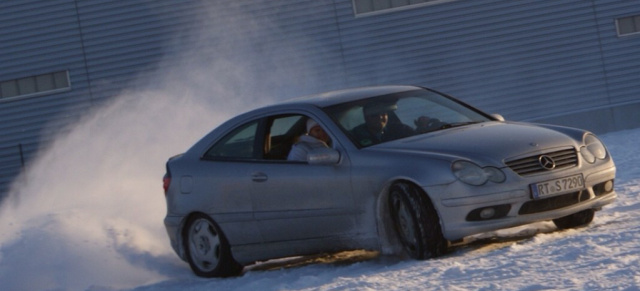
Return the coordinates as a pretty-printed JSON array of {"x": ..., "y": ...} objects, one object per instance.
[
  {"x": 37, "y": 37},
  {"x": 524, "y": 59},
  {"x": 620, "y": 54},
  {"x": 50, "y": 34},
  {"x": 121, "y": 40},
  {"x": 309, "y": 30},
  {"x": 291, "y": 47}
]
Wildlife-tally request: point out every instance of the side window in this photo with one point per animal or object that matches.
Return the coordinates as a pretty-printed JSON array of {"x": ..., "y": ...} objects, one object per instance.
[
  {"x": 283, "y": 124},
  {"x": 238, "y": 144},
  {"x": 282, "y": 134}
]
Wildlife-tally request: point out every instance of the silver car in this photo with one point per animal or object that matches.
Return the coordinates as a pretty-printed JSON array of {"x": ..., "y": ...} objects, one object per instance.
[{"x": 406, "y": 170}]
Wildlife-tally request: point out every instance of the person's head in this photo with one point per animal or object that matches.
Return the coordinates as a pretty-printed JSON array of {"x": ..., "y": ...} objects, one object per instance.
[
  {"x": 376, "y": 122},
  {"x": 315, "y": 130},
  {"x": 376, "y": 115}
]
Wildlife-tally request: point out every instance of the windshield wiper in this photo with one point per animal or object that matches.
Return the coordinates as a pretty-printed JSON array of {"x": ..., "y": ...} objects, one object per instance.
[{"x": 458, "y": 124}]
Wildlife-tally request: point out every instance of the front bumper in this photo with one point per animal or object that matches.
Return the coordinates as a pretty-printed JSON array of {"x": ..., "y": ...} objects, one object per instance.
[{"x": 512, "y": 204}]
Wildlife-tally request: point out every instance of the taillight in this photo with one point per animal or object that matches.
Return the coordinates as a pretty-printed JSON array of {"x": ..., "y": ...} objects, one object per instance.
[{"x": 166, "y": 181}]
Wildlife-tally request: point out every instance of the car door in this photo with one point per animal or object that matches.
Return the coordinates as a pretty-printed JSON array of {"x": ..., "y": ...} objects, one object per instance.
[
  {"x": 297, "y": 200},
  {"x": 224, "y": 183}
]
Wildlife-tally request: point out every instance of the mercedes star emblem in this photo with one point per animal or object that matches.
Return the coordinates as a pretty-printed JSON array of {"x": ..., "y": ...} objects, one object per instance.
[{"x": 547, "y": 162}]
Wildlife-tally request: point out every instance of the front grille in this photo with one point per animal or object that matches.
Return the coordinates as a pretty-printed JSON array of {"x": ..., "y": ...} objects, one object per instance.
[{"x": 531, "y": 165}]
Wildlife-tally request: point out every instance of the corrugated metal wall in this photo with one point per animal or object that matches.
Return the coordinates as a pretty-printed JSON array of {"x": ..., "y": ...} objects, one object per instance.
[
  {"x": 526, "y": 59},
  {"x": 122, "y": 39},
  {"x": 102, "y": 44},
  {"x": 620, "y": 55},
  {"x": 37, "y": 37}
]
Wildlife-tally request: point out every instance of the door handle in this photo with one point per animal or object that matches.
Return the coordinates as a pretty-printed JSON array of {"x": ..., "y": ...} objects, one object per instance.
[{"x": 259, "y": 177}]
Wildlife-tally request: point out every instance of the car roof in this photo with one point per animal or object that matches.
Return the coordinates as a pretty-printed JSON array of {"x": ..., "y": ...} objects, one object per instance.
[{"x": 346, "y": 95}]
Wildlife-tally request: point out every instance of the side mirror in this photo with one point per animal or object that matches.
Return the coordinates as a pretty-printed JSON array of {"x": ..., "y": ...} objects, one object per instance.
[
  {"x": 323, "y": 156},
  {"x": 497, "y": 117}
]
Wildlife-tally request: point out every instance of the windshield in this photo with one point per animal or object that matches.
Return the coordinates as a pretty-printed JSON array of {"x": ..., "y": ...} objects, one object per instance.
[{"x": 389, "y": 117}]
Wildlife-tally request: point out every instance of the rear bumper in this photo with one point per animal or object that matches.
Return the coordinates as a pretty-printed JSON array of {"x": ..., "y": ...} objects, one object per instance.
[{"x": 173, "y": 226}]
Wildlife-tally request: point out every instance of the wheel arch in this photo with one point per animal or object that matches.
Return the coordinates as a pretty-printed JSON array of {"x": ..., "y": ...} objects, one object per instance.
[
  {"x": 388, "y": 240},
  {"x": 182, "y": 232},
  {"x": 226, "y": 265}
]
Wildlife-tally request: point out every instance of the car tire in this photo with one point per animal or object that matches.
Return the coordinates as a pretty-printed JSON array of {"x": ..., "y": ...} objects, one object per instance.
[
  {"x": 579, "y": 219},
  {"x": 207, "y": 250},
  {"x": 416, "y": 222}
]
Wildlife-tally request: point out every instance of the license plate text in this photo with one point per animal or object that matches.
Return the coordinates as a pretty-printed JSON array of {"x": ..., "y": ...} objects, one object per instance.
[{"x": 557, "y": 186}]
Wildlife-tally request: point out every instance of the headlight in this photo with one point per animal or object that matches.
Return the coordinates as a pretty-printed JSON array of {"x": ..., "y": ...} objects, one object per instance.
[
  {"x": 593, "y": 149},
  {"x": 473, "y": 174}
]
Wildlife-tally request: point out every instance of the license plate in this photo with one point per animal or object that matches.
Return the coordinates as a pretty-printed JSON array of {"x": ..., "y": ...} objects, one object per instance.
[{"x": 557, "y": 186}]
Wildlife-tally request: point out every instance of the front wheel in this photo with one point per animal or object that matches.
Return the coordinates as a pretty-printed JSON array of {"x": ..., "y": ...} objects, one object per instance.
[
  {"x": 582, "y": 218},
  {"x": 416, "y": 222},
  {"x": 207, "y": 249}
]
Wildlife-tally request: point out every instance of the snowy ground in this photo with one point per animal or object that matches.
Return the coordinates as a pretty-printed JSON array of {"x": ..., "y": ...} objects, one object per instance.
[{"x": 87, "y": 215}]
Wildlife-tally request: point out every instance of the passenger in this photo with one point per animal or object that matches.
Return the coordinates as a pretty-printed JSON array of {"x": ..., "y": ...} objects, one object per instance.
[
  {"x": 377, "y": 128},
  {"x": 315, "y": 138}
]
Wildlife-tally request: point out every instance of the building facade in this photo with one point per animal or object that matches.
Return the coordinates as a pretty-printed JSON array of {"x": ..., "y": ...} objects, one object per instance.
[{"x": 570, "y": 62}]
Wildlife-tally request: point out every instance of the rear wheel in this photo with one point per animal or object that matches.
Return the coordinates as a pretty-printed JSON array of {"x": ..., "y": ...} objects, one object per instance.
[
  {"x": 416, "y": 222},
  {"x": 582, "y": 218},
  {"x": 207, "y": 249}
]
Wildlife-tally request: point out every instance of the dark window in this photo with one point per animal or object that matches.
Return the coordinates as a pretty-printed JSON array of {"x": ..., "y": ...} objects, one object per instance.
[
  {"x": 368, "y": 6},
  {"x": 45, "y": 83},
  {"x": 27, "y": 86},
  {"x": 628, "y": 25},
  {"x": 61, "y": 79},
  {"x": 9, "y": 88}
]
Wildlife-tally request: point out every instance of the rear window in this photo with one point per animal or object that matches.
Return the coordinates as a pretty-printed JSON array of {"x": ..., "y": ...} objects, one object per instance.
[{"x": 239, "y": 143}]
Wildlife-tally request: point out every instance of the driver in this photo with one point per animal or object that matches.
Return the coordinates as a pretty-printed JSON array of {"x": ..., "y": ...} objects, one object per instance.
[{"x": 377, "y": 126}]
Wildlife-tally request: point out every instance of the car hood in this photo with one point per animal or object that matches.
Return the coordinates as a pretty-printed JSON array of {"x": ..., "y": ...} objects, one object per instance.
[{"x": 488, "y": 143}]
